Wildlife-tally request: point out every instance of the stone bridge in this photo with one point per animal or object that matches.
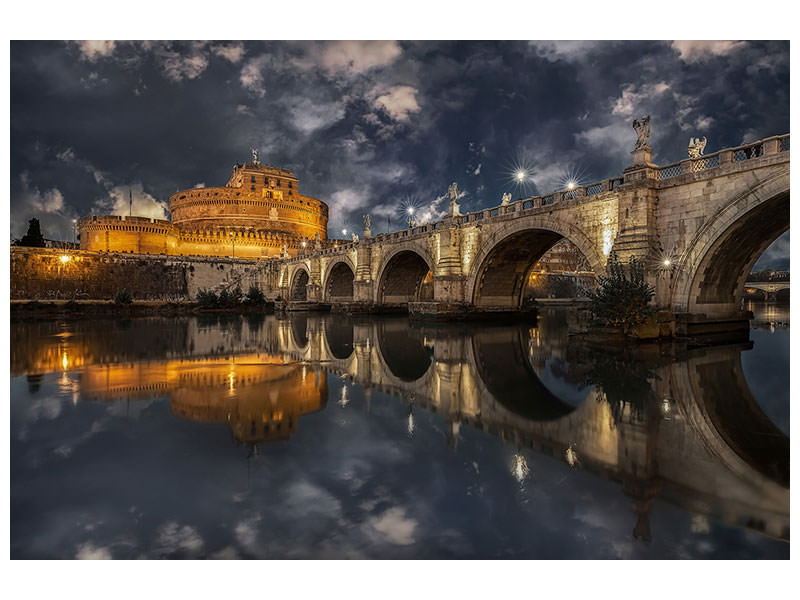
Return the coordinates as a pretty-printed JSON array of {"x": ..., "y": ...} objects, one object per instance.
[{"x": 698, "y": 226}]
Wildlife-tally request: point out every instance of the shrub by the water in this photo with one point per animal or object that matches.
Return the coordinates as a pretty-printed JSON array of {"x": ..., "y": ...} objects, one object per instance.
[
  {"x": 123, "y": 297},
  {"x": 207, "y": 298},
  {"x": 623, "y": 296},
  {"x": 255, "y": 296}
]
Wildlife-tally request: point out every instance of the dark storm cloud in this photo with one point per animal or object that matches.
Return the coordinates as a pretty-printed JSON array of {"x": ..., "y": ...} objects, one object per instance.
[{"x": 366, "y": 124}]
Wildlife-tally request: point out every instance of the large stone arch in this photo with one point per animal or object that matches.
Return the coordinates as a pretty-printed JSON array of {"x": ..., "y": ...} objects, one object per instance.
[
  {"x": 710, "y": 274},
  {"x": 404, "y": 284},
  {"x": 297, "y": 284},
  {"x": 517, "y": 246},
  {"x": 338, "y": 281}
]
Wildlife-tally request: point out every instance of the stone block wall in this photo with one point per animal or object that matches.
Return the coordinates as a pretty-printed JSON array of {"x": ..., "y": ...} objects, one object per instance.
[{"x": 50, "y": 274}]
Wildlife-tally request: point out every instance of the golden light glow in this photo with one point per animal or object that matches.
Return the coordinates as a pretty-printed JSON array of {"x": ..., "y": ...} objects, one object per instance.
[
  {"x": 571, "y": 456},
  {"x": 65, "y": 258},
  {"x": 64, "y": 361},
  {"x": 520, "y": 468},
  {"x": 571, "y": 185},
  {"x": 667, "y": 262}
]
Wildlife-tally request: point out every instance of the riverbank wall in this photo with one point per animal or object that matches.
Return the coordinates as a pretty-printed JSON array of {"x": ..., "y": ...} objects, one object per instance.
[{"x": 57, "y": 274}]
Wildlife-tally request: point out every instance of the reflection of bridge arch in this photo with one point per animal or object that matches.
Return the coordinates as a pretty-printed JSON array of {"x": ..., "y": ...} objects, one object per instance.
[
  {"x": 405, "y": 275},
  {"x": 299, "y": 326},
  {"x": 402, "y": 351},
  {"x": 339, "y": 278},
  {"x": 503, "y": 367},
  {"x": 499, "y": 271},
  {"x": 338, "y": 337},
  {"x": 297, "y": 288},
  {"x": 712, "y": 271}
]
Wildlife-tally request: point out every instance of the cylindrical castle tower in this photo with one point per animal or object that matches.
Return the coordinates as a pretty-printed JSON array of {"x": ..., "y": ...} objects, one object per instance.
[{"x": 259, "y": 213}]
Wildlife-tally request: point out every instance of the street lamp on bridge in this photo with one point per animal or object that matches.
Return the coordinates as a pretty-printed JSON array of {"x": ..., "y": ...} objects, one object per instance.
[{"x": 520, "y": 179}]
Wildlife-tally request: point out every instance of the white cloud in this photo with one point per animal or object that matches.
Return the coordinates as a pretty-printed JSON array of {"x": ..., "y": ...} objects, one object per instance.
[
  {"x": 399, "y": 101},
  {"x": 350, "y": 56},
  {"x": 202, "y": 184},
  {"x": 119, "y": 198},
  {"x": 67, "y": 155},
  {"x": 614, "y": 138},
  {"x": 177, "y": 66},
  {"x": 251, "y": 76},
  {"x": 477, "y": 170},
  {"x": 232, "y": 53},
  {"x": 309, "y": 116},
  {"x": 51, "y": 201},
  {"x": 564, "y": 50},
  {"x": 633, "y": 97},
  {"x": 697, "y": 50},
  {"x": 704, "y": 122},
  {"x": 92, "y": 50},
  {"x": 348, "y": 200}
]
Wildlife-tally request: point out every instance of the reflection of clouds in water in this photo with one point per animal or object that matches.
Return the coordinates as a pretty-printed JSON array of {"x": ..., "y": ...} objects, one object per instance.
[
  {"x": 394, "y": 526},
  {"x": 89, "y": 551},
  {"x": 174, "y": 538}
]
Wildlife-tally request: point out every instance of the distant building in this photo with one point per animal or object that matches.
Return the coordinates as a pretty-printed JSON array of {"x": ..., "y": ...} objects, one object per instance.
[{"x": 259, "y": 213}]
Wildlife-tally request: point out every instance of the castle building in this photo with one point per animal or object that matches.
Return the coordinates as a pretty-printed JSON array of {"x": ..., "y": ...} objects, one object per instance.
[{"x": 258, "y": 214}]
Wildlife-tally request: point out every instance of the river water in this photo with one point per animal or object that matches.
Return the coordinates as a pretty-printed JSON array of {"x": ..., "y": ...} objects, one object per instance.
[{"x": 324, "y": 436}]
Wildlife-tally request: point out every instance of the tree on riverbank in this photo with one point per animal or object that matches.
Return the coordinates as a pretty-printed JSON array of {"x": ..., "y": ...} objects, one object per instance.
[{"x": 623, "y": 296}]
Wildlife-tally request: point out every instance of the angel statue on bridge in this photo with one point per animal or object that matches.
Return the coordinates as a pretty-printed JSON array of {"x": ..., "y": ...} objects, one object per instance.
[
  {"x": 696, "y": 147},
  {"x": 642, "y": 132},
  {"x": 453, "y": 193},
  {"x": 254, "y": 152}
]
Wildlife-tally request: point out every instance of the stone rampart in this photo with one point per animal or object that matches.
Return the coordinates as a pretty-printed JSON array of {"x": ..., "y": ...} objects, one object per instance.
[{"x": 44, "y": 273}]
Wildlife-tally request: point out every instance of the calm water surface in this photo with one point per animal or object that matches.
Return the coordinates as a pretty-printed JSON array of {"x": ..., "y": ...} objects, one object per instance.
[{"x": 321, "y": 436}]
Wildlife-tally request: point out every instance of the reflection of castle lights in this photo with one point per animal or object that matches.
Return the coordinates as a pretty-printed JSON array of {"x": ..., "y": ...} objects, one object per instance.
[
  {"x": 343, "y": 399},
  {"x": 411, "y": 420},
  {"x": 666, "y": 408},
  {"x": 571, "y": 456},
  {"x": 64, "y": 361},
  {"x": 231, "y": 381},
  {"x": 65, "y": 258},
  {"x": 520, "y": 468}
]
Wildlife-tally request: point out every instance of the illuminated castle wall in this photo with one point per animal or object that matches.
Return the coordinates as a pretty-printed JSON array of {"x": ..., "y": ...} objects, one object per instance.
[{"x": 255, "y": 215}]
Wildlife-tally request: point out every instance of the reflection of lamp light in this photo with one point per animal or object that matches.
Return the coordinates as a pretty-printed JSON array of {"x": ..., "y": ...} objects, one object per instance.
[
  {"x": 410, "y": 420},
  {"x": 571, "y": 456},
  {"x": 520, "y": 467},
  {"x": 344, "y": 399},
  {"x": 64, "y": 361},
  {"x": 666, "y": 408},
  {"x": 65, "y": 258}
]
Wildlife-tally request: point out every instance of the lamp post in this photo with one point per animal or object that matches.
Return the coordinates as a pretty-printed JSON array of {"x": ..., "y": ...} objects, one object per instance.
[
  {"x": 520, "y": 178},
  {"x": 75, "y": 230},
  {"x": 410, "y": 211}
]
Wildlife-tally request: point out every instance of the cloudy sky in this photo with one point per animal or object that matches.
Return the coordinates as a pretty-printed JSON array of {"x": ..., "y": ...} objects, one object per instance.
[{"x": 368, "y": 126}]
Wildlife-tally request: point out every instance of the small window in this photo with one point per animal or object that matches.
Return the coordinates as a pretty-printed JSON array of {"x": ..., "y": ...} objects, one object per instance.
[
  {"x": 290, "y": 185},
  {"x": 266, "y": 181},
  {"x": 252, "y": 178},
  {"x": 278, "y": 183},
  {"x": 252, "y": 187}
]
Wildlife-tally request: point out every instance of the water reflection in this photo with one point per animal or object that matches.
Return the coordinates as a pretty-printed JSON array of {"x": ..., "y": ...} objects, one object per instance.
[{"x": 681, "y": 427}]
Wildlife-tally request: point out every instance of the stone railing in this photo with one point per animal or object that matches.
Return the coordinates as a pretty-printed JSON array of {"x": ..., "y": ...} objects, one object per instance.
[
  {"x": 765, "y": 147},
  {"x": 772, "y": 145}
]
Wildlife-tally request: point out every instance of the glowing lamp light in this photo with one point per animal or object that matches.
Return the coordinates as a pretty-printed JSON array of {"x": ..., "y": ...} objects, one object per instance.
[
  {"x": 65, "y": 258},
  {"x": 571, "y": 456},
  {"x": 304, "y": 243},
  {"x": 571, "y": 185},
  {"x": 667, "y": 262},
  {"x": 344, "y": 231},
  {"x": 411, "y": 210},
  {"x": 520, "y": 175}
]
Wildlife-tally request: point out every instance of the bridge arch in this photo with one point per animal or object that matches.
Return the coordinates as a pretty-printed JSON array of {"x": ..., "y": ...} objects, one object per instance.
[
  {"x": 711, "y": 272},
  {"x": 339, "y": 278},
  {"x": 405, "y": 275},
  {"x": 498, "y": 273},
  {"x": 297, "y": 286}
]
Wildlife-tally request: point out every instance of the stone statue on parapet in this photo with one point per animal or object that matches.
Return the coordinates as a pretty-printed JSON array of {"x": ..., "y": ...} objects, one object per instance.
[
  {"x": 452, "y": 191},
  {"x": 317, "y": 242},
  {"x": 285, "y": 251},
  {"x": 642, "y": 129},
  {"x": 367, "y": 225},
  {"x": 696, "y": 147},
  {"x": 254, "y": 152},
  {"x": 506, "y": 199},
  {"x": 355, "y": 237}
]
